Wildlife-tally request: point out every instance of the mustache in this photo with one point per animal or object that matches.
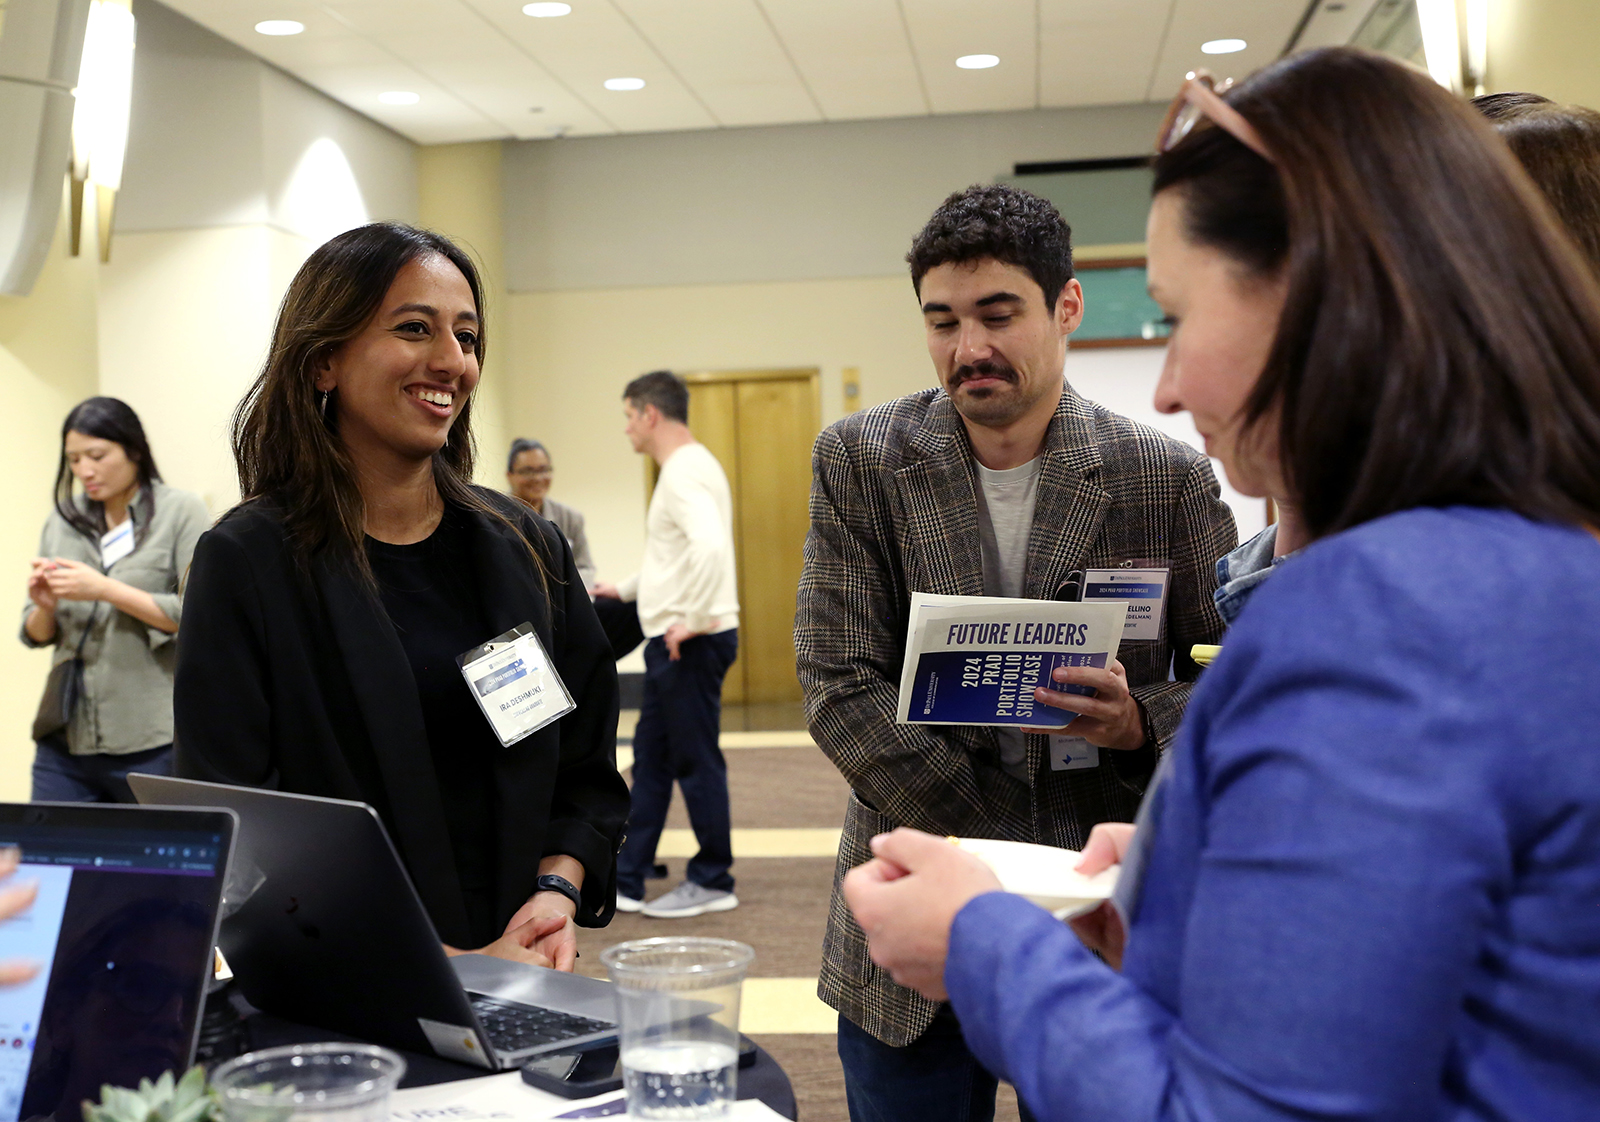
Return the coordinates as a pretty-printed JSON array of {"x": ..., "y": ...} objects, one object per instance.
[{"x": 983, "y": 370}]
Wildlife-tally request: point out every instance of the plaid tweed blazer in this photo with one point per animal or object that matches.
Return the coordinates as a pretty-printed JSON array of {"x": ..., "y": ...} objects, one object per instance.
[{"x": 894, "y": 510}]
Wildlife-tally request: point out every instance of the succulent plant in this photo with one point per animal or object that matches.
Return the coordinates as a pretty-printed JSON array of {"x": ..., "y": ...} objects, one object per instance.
[{"x": 184, "y": 1100}]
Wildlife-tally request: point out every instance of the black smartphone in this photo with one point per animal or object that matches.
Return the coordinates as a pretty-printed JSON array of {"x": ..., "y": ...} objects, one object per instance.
[{"x": 576, "y": 1075}]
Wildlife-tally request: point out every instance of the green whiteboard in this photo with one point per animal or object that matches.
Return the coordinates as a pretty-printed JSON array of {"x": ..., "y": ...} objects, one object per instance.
[{"x": 1116, "y": 306}]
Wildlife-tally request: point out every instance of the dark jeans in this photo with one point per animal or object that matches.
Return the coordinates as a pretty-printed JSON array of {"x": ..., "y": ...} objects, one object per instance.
[
  {"x": 60, "y": 777},
  {"x": 676, "y": 739},
  {"x": 935, "y": 1078}
]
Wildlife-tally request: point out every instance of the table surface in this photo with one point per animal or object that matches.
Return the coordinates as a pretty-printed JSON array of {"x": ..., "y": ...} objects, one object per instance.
[{"x": 763, "y": 1080}]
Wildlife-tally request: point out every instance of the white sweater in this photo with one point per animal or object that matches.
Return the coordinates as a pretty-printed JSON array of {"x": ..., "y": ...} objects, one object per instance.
[{"x": 688, "y": 574}]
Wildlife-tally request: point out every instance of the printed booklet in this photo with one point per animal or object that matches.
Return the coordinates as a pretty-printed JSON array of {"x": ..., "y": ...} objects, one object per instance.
[{"x": 976, "y": 660}]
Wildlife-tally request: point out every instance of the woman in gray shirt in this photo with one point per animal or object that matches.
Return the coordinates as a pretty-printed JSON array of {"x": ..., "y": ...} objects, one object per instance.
[{"x": 104, "y": 589}]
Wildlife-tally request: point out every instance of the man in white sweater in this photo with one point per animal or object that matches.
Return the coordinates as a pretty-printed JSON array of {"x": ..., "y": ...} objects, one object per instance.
[{"x": 687, "y": 596}]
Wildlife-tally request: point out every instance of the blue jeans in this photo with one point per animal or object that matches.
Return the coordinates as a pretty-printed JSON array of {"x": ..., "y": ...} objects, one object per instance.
[
  {"x": 935, "y": 1078},
  {"x": 676, "y": 739},
  {"x": 60, "y": 777}
]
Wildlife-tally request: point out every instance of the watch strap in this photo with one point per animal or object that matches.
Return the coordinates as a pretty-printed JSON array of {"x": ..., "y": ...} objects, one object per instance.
[{"x": 550, "y": 882}]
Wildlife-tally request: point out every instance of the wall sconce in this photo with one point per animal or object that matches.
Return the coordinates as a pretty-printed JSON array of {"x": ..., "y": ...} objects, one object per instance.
[{"x": 100, "y": 120}]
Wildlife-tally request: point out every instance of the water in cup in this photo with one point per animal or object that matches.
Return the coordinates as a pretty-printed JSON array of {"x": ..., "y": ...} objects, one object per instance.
[{"x": 690, "y": 1080}]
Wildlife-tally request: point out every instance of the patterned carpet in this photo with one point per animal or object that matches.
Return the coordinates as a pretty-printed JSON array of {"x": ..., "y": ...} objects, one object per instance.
[{"x": 787, "y": 805}]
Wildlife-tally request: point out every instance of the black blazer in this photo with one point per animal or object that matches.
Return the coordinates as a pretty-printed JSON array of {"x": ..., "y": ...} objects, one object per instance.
[{"x": 293, "y": 678}]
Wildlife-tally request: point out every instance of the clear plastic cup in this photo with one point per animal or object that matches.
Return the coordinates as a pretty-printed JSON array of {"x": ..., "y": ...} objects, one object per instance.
[
  {"x": 315, "y": 1082},
  {"x": 678, "y": 1011}
]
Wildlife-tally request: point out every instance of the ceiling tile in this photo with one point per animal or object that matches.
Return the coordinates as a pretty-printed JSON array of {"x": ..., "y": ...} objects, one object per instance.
[
  {"x": 944, "y": 30},
  {"x": 593, "y": 44},
  {"x": 1265, "y": 25},
  {"x": 726, "y": 52},
  {"x": 1094, "y": 53},
  {"x": 853, "y": 54}
]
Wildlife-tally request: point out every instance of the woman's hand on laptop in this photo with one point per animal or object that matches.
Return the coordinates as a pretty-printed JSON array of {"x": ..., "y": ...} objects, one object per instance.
[{"x": 14, "y": 900}]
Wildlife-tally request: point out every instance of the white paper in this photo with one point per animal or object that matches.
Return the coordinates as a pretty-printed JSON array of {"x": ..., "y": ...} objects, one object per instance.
[
  {"x": 1043, "y": 874},
  {"x": 506, "y": 1098}
]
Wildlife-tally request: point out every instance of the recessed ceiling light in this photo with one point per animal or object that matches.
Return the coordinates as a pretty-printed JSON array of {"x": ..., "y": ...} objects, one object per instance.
[
  {"x": 624, "y": 83},
  {"x": 1223, "y": 46},
  {"x": 280, "y": 27},
  {"x": 399, "y": 97},
  {"x": 977, "y": 62},
  {"x": 546, "y": 11}
]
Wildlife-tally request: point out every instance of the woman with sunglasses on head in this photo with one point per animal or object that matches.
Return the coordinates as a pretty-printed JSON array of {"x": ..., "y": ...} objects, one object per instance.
[
  {"x": 330, "y": 614},
  {"x": 104, "y": 594},
  {"x": 1370, "y": 882}
]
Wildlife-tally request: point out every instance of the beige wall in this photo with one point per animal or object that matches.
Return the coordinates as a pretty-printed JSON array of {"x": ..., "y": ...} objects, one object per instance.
[
  {"x": 458, "y": 194},
  {"x": 48, "y": 361},
  {"x": 1547, "y": 47}
]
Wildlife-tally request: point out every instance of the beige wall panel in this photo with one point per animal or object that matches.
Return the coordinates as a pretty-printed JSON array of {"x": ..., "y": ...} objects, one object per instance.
[
  {"x": 48, "y": 358},
  {"x": 185, "y": 322},
  {"x": 458, "y": 194},
  {"x": 1546, "y": 47}
]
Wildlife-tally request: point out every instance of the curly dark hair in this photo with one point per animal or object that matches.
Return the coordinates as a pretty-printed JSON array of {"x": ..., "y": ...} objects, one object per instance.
[{"x": 1005, "y": 223}]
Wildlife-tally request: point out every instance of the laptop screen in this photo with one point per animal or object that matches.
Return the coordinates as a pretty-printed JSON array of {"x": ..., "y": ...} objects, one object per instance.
[{"x": 122, "y": 932}]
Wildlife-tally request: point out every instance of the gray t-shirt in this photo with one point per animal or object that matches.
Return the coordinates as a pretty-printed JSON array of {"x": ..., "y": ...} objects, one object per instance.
[{"x": 1005, "y": 519}]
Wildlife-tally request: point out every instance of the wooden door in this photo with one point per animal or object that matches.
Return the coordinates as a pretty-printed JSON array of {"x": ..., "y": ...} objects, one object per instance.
[{"x": 760, "y": 425}]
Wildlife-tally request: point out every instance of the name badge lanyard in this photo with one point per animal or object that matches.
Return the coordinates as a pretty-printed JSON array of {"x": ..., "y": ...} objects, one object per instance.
[{"x": 515, "y": 684}]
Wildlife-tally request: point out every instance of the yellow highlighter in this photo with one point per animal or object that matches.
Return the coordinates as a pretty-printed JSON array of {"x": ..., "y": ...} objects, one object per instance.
[{"x": 1203, "y": 653}]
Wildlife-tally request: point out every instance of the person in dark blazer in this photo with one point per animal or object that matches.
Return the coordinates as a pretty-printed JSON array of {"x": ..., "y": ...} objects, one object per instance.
[{"x": 325, "y": 613}]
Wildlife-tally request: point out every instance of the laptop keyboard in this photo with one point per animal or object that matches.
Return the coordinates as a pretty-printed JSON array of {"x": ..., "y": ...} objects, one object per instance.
[{"x": 512, "y": 1028}]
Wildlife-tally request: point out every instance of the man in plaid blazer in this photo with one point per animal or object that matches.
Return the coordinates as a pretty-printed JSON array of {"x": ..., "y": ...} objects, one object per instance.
[{"x": 923, "y": 494}]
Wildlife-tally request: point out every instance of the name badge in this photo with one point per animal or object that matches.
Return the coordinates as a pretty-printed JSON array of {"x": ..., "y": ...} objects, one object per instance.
[
  {"x": 1068, "y": 753},
  {"x": 116, "y": 544},
  {"x": 1145, "y": 590},
  {"x": 514, "y": 684}
]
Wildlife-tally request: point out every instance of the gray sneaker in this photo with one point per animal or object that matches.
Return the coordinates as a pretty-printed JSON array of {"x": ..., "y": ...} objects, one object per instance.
[
  {"x": 690, "y": 899},
  {"x": 628, "y": 903}
]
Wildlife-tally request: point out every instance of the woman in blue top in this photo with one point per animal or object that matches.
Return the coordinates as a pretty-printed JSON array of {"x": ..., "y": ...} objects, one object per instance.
[{"x": 1371, "y": 888}]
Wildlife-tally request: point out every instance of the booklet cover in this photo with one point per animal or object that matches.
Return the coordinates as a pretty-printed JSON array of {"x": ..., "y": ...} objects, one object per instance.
[{"x": 976, "y": 660}]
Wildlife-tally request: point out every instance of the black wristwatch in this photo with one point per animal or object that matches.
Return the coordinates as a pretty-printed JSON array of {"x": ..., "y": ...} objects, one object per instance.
[{"x": 549, "y": 882}]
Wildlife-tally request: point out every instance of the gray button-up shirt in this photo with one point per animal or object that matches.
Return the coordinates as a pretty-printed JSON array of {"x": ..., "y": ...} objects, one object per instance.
[{"x": 127, "y": 664}]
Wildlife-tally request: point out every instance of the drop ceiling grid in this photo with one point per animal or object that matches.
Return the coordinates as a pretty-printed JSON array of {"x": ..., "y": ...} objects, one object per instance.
[
  {"x": 729, "y": 56},
  {"x": 1095, "y": 53},
  {"x": 853, "y": 54},
  {"x": 597, "y": 42},
  {"x": 465, "y": 53},
  {"x": 1265, "y": 26},
  {"x": 482, "y": 67},
  {"x": 944, "y": 30}
]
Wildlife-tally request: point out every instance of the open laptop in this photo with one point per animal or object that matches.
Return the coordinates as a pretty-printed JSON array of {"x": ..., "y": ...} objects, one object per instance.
[
  {"x": 122, "y": 931},
  {"x": 334, "y": 935}
]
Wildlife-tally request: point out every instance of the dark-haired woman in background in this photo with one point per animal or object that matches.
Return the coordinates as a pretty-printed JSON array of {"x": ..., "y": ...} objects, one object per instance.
[
  {"x": 325, "y": 613},
  {"x": 1372, "y": 882},
  {"x": 104, "y": 589}
]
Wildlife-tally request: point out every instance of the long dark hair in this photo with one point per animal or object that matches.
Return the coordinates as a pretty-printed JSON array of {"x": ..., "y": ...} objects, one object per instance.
[
  {"x": 106, "y": 418},
  {"x": 286, "y": 434},
  {"x": 1440, "y": 337}
]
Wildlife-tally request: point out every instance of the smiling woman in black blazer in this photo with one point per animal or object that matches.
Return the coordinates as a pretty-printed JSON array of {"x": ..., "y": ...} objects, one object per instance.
[{"x": 323, "y": 615}]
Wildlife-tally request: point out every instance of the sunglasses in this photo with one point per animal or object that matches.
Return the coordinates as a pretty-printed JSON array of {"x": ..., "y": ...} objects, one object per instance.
[{"x": 1200, "y": 98}]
